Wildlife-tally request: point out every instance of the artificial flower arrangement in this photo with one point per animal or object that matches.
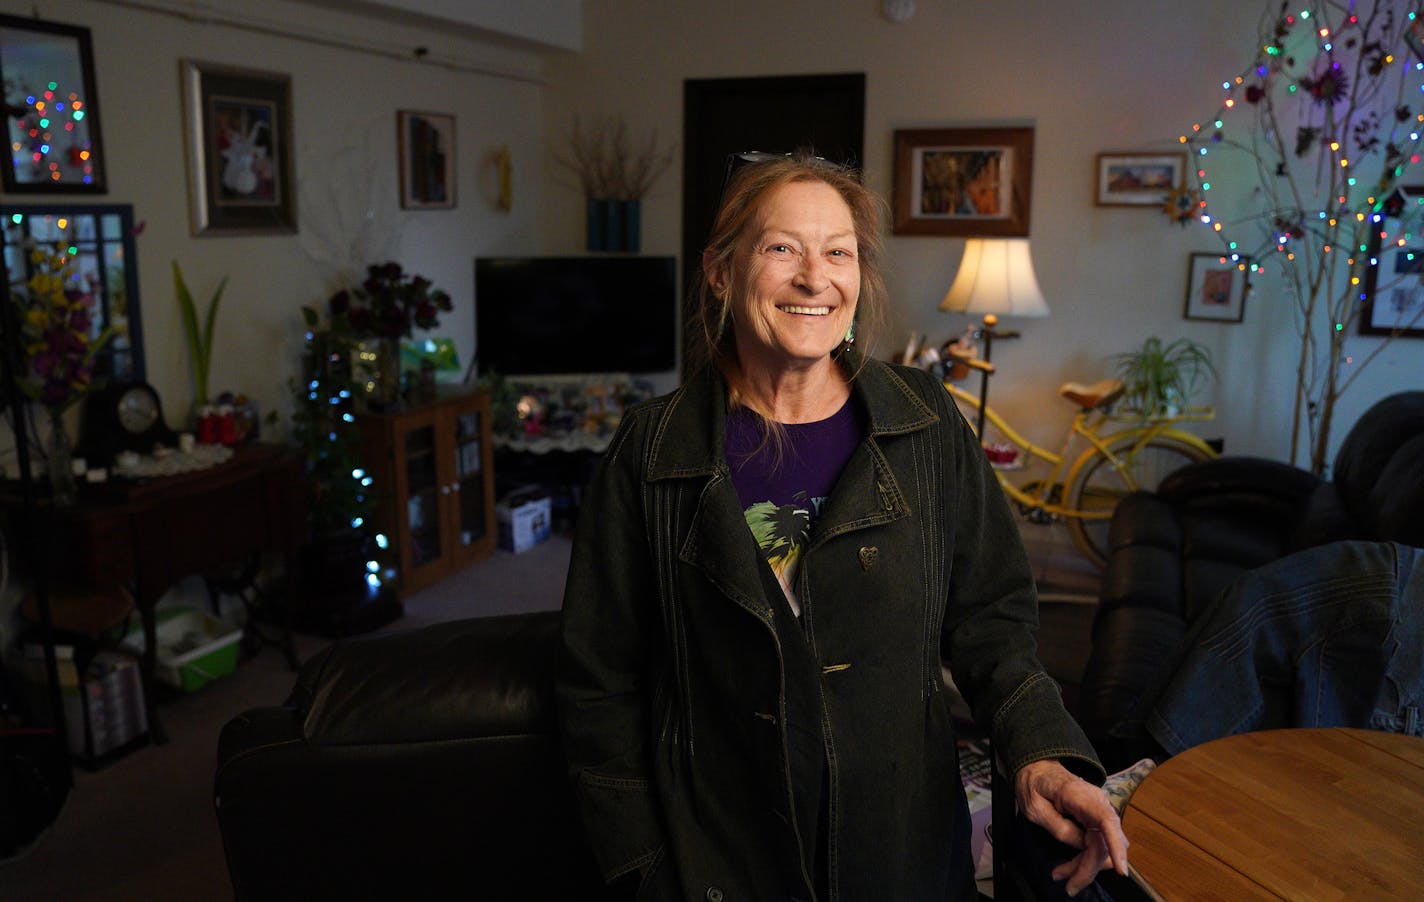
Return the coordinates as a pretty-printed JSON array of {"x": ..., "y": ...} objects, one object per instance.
[
  {"x": 57, "y": 332},
  {"x": 389, "y": 303}
]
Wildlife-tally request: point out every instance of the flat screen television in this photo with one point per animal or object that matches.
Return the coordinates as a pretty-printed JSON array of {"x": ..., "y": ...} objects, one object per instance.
[{"x": 561, "y": 315}]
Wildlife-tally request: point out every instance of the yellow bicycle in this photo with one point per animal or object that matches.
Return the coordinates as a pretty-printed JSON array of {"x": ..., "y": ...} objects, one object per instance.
[{"x": 1116, "y": 461}]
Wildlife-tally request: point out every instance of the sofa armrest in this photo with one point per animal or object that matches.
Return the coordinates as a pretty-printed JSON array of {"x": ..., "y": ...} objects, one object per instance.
[{"x": 489, "y": 676}]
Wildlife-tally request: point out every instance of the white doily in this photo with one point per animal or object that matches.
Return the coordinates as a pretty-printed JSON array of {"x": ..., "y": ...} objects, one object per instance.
[{"x": 171, "y": 464}]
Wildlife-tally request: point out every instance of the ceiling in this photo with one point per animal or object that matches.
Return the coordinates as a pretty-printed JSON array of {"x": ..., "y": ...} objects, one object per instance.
[{"x": 530, "y": 24}]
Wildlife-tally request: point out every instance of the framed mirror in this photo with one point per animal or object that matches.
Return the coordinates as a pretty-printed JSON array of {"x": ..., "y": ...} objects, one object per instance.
[
  {"x": 51, "y": 110},
  {"x": 100, "y": 240}
]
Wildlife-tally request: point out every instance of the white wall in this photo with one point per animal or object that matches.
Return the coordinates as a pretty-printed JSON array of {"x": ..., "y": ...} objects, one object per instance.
[
  {"x": 344, "y": 109},
  {"x": 1120, "y": 75},
  {"x": 1116, "y": 79}
]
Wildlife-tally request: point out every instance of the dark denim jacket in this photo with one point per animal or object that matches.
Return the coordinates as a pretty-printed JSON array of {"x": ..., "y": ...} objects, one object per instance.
[
  {"x": 1332, "y": 636},
  {"x": 701, "y": 720}
]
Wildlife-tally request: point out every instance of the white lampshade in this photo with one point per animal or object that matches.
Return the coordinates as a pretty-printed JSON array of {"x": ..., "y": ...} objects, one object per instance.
[{"x": 995, "y": 276}]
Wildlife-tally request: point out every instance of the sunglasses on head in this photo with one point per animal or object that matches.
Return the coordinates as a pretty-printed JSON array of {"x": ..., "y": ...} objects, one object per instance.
[{"x": 739, "y": 161}]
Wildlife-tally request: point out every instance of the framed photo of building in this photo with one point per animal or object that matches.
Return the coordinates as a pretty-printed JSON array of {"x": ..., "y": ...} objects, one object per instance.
[
  {"x": 51, "y": 111},
  {"x": 1138, "y": 179},
  {"x": 1217, "y": 287},
  {"x": 963, "y": 182},
  {"x": 240, "y": 150},
  {"x": 427, "y": 160}
]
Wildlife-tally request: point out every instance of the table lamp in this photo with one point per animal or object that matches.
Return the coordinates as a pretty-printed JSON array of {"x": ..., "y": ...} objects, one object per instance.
[{"x": 995, "y": 278}]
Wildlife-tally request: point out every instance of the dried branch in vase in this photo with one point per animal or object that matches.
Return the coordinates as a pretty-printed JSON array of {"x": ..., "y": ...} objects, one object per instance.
[{"x": 609, "y": 164}]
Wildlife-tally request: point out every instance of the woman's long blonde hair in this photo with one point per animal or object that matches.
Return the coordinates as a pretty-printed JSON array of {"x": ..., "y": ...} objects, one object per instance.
[{"x": 712, "y": 339}]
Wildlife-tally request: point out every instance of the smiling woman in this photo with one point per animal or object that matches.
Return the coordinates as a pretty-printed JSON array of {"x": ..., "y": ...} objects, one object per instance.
[
  {"x": 796, "y": 231},
  {"x": 828, "y": 525},
  {"x": 796, "y": 302}
]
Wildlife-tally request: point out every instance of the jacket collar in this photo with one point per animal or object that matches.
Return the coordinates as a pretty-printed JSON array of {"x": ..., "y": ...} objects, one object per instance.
[{"x": 691, "y": 432}]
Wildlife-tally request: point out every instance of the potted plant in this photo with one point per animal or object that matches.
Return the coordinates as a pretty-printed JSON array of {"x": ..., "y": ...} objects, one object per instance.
[
  {"x": 1160, "y": 378},
  {"x": 200, "y": 339}
]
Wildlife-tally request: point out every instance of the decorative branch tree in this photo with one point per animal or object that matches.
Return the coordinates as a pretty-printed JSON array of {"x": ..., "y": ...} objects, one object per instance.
[
  {"x": 1333, "y": 119},
  {"x": 608, "y": 164}
]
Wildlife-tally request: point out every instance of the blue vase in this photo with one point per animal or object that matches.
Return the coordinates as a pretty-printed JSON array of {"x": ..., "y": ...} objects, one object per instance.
[
  {"x": 613, "y": 225},
  {"x": 598, "y": 215},
  {"x": 630, "y": 233}
]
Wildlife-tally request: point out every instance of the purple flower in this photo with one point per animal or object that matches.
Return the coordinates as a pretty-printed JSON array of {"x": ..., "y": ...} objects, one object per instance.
[{"x": 45, "y": 362}]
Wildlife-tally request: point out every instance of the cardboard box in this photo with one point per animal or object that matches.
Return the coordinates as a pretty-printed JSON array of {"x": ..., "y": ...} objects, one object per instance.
[{"x": 524, "y": 521}]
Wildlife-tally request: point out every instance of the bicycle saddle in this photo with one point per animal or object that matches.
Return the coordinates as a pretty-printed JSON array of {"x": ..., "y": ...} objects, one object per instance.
[{"x": 1091, "y": 397}]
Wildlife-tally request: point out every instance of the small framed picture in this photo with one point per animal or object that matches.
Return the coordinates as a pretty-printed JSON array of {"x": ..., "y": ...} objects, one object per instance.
[
  {"x": 1217, "y": 288},
  {"x": 1393, "y": 297},
  {"x": 51, "y": 112},
  {"x": 963, "y": 182},
  {"x": 239, "y": 150},
  {"x": 1138, "y": 179},
  {"x": 427, "y": 160}
]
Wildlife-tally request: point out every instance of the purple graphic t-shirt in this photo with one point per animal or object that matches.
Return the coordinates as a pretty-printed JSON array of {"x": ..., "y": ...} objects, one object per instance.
[{"x": 781, "y": 502}]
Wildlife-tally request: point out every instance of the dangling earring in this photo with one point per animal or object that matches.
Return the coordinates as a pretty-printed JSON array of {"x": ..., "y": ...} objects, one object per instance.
[{"x": 850, "y": 334}]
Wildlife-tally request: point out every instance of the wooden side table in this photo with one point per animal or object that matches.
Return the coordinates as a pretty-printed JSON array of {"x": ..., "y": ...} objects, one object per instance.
[
  {"x": 1284, "y": 814},
  {"x": 148, "y": 534}
]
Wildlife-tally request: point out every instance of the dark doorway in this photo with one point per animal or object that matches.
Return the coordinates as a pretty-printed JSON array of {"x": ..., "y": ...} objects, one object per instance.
[{"x": 777, "y": 114}]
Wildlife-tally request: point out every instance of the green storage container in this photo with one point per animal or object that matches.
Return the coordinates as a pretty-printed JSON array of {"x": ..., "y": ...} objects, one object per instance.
[{"x": 194, "y": 647}]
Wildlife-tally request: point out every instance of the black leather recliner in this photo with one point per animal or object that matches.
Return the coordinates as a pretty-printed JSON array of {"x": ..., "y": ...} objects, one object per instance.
[
  {"x": 1171, "y": 553},
  {"x": 426, "y": 764},
  {"x": 416, "y": 764}
]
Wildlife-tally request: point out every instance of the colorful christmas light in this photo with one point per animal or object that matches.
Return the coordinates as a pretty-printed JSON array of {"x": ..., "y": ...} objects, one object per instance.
[
  {"x": 1328, "y": 79},
  {"x": 44, "y": 138}
]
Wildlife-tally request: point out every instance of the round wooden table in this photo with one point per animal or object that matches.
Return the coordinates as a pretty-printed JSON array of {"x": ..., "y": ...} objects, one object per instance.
[{"x": 1284, "y": 814}]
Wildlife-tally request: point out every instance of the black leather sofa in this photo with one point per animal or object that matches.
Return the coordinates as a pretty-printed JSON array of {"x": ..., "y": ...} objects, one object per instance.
[
  {"x": 1171, "y": 553},
  {"x": 409, "y": 765}
]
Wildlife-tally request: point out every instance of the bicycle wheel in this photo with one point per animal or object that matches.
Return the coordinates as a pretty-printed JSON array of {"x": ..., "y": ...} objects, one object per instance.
[{"x": 1099, "y": 485}]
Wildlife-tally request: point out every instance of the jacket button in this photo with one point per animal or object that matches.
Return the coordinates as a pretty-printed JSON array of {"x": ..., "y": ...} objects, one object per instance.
[{"x": 714, "y": 894}]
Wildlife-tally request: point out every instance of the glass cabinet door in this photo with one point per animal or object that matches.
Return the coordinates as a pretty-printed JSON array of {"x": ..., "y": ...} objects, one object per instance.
[
  {"x": 470, "y": 476},
  {"x": 422, "y": 498}
]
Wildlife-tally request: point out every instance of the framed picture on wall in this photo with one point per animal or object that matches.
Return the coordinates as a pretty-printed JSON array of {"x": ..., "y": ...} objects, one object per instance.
[
  {"x": 427, "y": 160},
  {"x": 1138, "y": 179},
  {"x": 1392, "y": 302},
  {"x": 963, "y": 182},
  {"x": 1217, "y": 287},
  {"x": 51, "y": 109},
  {"x": 240, "y": 150}
]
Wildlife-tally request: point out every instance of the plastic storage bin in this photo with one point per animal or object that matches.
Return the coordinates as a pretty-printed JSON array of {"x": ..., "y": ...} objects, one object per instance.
[{"x": 194, "y": 648}]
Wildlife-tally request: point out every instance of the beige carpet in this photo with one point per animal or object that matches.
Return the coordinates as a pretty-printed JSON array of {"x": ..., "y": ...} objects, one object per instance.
[{"x": 143, "y": 827}]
